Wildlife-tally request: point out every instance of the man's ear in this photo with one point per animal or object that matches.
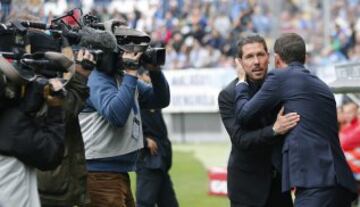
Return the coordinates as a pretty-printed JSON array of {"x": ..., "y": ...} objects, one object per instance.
[
  {"x": 238, "y": 63},
  {"x": 307, "y": 57},
  {"x": 238, "y": 60},
  {"x": 277, "y": 60}
]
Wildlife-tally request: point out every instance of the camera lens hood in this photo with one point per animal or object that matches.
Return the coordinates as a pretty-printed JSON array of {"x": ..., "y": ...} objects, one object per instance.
[
  {"x": 131, "y": 40},
  {"x": 19, "y": 75}
]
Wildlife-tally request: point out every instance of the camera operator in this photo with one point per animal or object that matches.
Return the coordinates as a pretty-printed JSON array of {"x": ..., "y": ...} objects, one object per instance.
[
  {"x": 66, "y": 185},
  {"x": 111, "y": 127},
  {"x": 27, "y": 142},
  {"x": 153, "y": 183},
  {"x": 29, "y": 138}
]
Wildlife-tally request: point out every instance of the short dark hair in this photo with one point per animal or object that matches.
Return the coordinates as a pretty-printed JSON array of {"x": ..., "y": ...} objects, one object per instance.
[
  {"x": 248, "y": 39},
  {"x": 291, "y": 48}
]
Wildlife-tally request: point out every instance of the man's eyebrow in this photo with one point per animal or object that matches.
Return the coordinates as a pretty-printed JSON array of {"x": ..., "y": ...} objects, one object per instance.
[{"x": 249, "y": 54}]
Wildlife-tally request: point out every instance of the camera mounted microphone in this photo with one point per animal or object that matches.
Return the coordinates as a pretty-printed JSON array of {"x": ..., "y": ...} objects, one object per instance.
[
  {"x": 91, "y": 38},
  {"x": 95, "y": 40}
]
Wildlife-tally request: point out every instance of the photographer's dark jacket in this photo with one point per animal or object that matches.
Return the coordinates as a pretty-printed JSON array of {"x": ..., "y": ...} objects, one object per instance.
[
  {"x": 2, "y": 92},
  {"x": 154, "y": 127},
  {"x": 66, "y": 185},
  {"x": 37, "y": 142},
  {"x": 111, "y": 123}
]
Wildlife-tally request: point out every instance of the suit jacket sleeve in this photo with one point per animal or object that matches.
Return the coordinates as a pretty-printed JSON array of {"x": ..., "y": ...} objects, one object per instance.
[
  {"x": 241, "y": 138},
  {"x": 265, "y": 100}
]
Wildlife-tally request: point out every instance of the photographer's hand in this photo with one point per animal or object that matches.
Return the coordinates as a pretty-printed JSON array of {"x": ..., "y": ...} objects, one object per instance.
[
  {"x": 55, "y": 86},
  {"x": 152, "y": 67},
  {"x": 66, "y": 48},
  {"x": 131, "y": 62},
  {"x": 85, "y": 62},
  {"x": 151, "y": 144}
]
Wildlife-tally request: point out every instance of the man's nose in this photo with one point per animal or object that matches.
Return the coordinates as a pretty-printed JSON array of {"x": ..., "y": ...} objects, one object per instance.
[{"x": 256, "y": 60}]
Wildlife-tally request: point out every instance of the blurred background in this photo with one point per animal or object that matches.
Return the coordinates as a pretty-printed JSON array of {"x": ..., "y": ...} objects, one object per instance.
[{"x": 200, "y": 39}]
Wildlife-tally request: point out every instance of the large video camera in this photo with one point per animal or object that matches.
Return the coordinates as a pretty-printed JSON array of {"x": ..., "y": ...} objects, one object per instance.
[
  {"x": 127, "y": 39},
  {"x": 27, "y": 45},
  {"x": 30, "y": 55},
  {"x": 137, "y": 41},
  {"x": 130, "y": 40},
  {"x": 107, "y": 41}
]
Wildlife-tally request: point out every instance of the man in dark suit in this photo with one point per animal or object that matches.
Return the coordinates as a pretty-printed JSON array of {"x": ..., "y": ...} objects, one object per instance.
[
  {"x": 313, "y": 161},
  {"x": 153, "y": 183},
  {"x": 252, "y": 176}
]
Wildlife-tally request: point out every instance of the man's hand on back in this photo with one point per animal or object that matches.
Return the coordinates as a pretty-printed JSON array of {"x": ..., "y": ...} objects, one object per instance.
[{"x": 285, "y": 122}]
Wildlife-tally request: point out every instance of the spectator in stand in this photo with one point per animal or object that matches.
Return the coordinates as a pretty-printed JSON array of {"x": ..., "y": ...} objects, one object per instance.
[
  {"x": 340, "y": 117},
  {"x": 198, "y": 55},
  {"x": 5, "y": 9},
  {"x": 215, "y": 39},
  {"x": 350, "y": 111},
  {"x": 350, "y": 131}
]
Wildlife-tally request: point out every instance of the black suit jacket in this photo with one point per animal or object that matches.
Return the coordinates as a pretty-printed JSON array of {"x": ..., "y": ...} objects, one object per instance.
[
  {"x": 249, "y": 166},
  {"x": 312, "y": 156}
]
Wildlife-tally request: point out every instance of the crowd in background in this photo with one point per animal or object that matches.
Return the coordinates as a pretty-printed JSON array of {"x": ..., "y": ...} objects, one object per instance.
[{"x": 203, "y": 33}]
